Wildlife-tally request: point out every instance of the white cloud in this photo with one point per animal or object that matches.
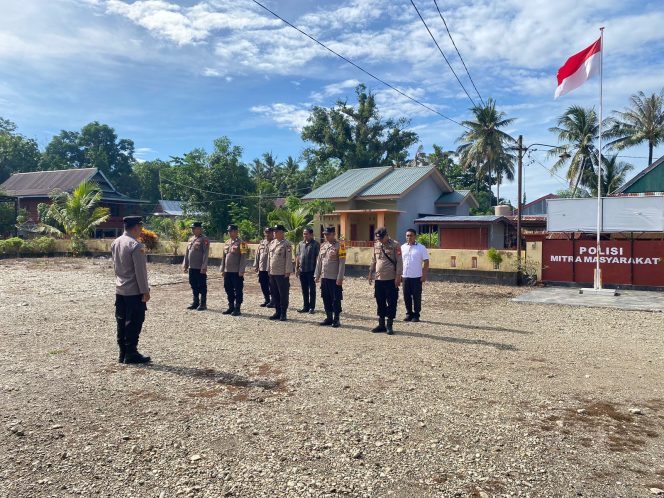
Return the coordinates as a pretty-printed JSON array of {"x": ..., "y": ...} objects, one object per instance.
[{"x": 285, "y": 115}]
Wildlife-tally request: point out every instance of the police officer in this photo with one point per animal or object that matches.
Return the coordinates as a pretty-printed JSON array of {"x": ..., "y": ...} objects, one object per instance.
[
  {"x": 132, "y": 291},
  {"x": 330, "y": 269},
  {"x": 305, "y": 265},
  {"x": 280, "y": 268},
  {"x": 261, "y": 266},
  {"x": 387, "y": 265},
  {"x": 233, "y": 264},
  {"x": 195, "y": 262}
]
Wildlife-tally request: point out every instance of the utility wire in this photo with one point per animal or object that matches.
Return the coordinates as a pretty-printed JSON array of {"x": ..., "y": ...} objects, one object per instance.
[
  {"x": 442, "y": 53},
  {"x": 400, "y": 92},
  {"x": 457, "y": 51}
]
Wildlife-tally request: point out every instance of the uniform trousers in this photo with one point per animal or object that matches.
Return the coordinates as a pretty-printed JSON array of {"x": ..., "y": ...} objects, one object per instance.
[
  {"x": 279, "y": 287},
  {"x": 412, "y": 294},
  {"x": 129, "y": 316},
  {"x": 332, "y": 295},
  {"x": 198, "y": 283},
  {"x": 233, "y": 285},
  {"x": 264, "y": 280},
  {"x": 387, "y": 295},
  {"x": 308, "y": 284}
]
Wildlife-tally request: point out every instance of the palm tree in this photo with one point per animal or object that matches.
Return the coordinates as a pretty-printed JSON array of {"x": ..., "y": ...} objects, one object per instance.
[
  {"x": 577, "y": 130},
  {"x": 642, "y": 122},
  {"x": 75, "y": 215},
  {"x": 293, "y": 220},
  {"x": 485, "y": 146},
  {"x": 614, "y": 174}
]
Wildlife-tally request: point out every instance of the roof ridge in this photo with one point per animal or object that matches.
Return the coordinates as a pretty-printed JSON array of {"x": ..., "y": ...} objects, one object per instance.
[{"x": 54, "y": 171}]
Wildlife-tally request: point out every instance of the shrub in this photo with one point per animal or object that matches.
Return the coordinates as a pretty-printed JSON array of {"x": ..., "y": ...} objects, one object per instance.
[
  {"x": 43, "y": 245},
  {"x": 423, "y": 239},
  {"x": 11, "y": 246},
  {"x": 149, "y": 238},
  {"x": 495, "y": 257}
]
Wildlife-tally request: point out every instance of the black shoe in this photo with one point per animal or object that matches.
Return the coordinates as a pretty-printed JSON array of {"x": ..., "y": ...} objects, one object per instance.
[
  {"x": 136, "y": 358},
  {"x": 409, "y": 318},
  {"x": 236, "y": 312},
  {"x": 416, "y": 318},
  {"x": 312, "y": 311},
  {"x": 381, "y": 326},
  {"x": 275, "y": 316},
  {"x": 265, "y": 304},
  {"x": 193, "y": 305},
  {"x": 389, "y": 326},
  {"x": 270, "y": 305},
  {"x": 303, "y": 310},
  {"x": 228, "y": 311},
  {"x": 203, "y": 305},
  {"x": 326, "y": 322},
  {"x": 283, "y": 317},
  {"x": 121, "y": 357}
]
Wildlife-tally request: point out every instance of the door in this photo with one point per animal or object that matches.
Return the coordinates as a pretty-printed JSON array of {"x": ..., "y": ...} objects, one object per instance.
[
  {"x": 353, "y": 231},
  {"x": 372, "y": 229}
]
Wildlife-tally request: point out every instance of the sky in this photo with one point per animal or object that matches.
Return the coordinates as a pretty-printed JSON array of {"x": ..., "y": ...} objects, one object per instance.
[{"x": 174, "y": 75}]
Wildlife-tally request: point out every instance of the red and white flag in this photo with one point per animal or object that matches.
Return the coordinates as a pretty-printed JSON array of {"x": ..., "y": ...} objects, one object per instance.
[{"x": 579, "y": 68}]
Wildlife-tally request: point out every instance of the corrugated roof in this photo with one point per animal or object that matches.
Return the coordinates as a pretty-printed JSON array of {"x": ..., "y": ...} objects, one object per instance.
[
  {"x": 640, "y": 175},
  {"x": 348, "y": 183},
  {"x": 171, "y": 208},
  {"x": 461, "y": 219},
  {"x": 455, "y": 197},
  {"x": 396, "y": 182},
  {"x": 42, "y": 183}
]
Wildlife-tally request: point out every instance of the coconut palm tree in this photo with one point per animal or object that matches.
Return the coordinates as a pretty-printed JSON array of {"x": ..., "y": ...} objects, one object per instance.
[
  {"x": 577, "y": 132},
  {"x": 75, "y": 215},
  {"x": 642, "y": 122},
  {"x": 614, "y": 174},
  {"x": 485, "y": 146},
  {"x": 293, "y": 220}
]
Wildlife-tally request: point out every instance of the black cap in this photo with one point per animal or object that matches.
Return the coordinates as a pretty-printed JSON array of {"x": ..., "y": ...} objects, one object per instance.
[
  {"x": 279, "y": 227},
  {"x": 132, "y": 221},
  {"x": 231, "y": 227},
  {"x": 268, "y": 229},
  {"x": 330, "y": 230},
  {"x": 381, "y": 232},
  {"x": 196, "y": 224}
]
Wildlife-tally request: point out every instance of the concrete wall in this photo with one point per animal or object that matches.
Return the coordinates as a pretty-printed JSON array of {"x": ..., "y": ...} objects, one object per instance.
[{"x": 421, "y": 199}]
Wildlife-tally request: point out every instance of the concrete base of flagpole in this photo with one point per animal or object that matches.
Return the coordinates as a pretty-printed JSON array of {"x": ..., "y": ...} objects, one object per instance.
[{"x": 600, "y": 292}]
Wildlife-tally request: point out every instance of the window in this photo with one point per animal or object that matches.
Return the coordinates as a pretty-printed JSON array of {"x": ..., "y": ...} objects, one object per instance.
[
  {"x": 453, "y": 261},
  {"x": 474, "y": 262}
]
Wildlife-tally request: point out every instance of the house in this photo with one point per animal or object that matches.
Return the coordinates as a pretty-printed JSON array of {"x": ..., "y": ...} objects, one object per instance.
[
  {"x": 538, "y": 207},
  {"x": 471, "y": 232},
  {"x": 367, "y": 198},
  {"x": 32, "y": 189},
  {"x": 649, "y": 181}
]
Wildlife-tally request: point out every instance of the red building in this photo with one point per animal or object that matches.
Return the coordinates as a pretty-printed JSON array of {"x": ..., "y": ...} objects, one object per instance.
[{"x": 32, "y": 189}]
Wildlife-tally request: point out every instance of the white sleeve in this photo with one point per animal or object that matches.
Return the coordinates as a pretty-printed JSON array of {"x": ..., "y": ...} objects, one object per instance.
[{"x": 425, "y": 254}]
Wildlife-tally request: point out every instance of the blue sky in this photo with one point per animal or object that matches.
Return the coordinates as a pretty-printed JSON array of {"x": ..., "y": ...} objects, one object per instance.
[{"x": 175, "y": 75}]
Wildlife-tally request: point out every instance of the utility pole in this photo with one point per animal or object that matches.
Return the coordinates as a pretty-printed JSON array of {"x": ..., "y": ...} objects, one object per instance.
[{"x": 519, "y": 205}]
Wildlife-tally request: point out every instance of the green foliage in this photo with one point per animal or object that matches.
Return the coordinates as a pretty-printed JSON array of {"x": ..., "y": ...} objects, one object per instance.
[
  {"x": 11, "y": 246},
  {"x": 614, "y": 174},
  {"x": 428, "y": 240},
  {"x": 22, "y": 216},
  {"x": 568, "y": 193},
  {"x": 43, "y": 245},
  {"x": 494, "y": 256},
  {"x": 356, "y": 136},
  {"x": 7, "y": 217},
  {"x": 295, "y": 221},
  {"x": 147, "y": 177},
  {"x": 18, "y": 154},
  {"x": 170, "y": 230}
]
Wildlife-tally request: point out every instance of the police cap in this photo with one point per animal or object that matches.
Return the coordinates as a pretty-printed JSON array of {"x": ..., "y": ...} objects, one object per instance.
[
  {"x": 132, "y": 221},
  {"x": 268, "y": 229},
  {"x": 279, "y": 228},
  {"x": 231, "y": 227},
  {"x": 329, "y": 230},
  {"x": 196, "y": 224},
  {"x": 381, "y": 232}
]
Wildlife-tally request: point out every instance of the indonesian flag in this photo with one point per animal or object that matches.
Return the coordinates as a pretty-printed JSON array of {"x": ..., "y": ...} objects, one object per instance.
[{"x": 579, "y": 68}]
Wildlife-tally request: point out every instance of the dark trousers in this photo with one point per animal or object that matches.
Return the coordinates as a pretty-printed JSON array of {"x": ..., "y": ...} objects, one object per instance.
[
  {"x": 412, "y": 294},
  {"x": 279, "y": 286},
  {"x": 233, "y": 285},
  {"x": 129, "y": 316},
  {"x": 198, "y": 283},
  {"x": 264, "y": 280},
  {"x": 386, "y": 294},
  {"x": 332, "y": 295},
  {"x": 308, "y": 289}
]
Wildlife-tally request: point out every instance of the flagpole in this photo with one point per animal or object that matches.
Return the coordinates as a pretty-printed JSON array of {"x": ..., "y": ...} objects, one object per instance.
[{"x": 598, "y": 277}]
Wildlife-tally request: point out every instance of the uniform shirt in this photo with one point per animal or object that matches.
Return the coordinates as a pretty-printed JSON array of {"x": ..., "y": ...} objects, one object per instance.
[
  {"x": 413, "y": 256},
  {"x": 307, "y": 254},
  {"x": 262, "y": 256},
  {"x": 131, "y": 266},
  {"x": 381, "y": 265},
  {"x": 331, "y": 261},
  {"x": 196, "y": 257},
  {"x": 234, "y": 259},
  {"x": 281, "y": 257}
]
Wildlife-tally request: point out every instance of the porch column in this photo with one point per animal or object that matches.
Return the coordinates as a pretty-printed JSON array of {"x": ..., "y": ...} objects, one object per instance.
[
  {"x": 380, "y": 219},
  {"x": 345, "y": 228}
]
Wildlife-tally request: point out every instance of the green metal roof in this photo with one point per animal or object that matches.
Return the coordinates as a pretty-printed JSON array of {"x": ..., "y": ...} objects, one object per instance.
[
  {"x": 396, "y": 182},
  {"x": 455, "y": 197},
  {"x": 348, "y": 183}
]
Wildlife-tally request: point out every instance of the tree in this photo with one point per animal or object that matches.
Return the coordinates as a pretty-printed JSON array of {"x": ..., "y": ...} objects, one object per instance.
[
  {"x": 642, "y": 122},
  {"x": 18, "y": 154},
  {"x": 614, "y": 174},
  {"x": 356, "y": 136},
  {"x": 577, "y": 129},
  {"x": 293, "y": 220},
  {"x": 75, "y": 215},
  {"x": 485, "y": 147},
  {"x": 568, "y": 193},
  {"x": 147, "y": 176}
]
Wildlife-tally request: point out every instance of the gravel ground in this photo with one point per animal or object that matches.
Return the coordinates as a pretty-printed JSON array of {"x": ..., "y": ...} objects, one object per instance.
[{"x": 485, "y": 397}]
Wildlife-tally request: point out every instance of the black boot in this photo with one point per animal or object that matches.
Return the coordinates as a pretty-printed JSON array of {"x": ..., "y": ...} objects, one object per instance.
[
  {"x": 203, "y": 305},
  {"x": 229, "y": 311},
  {"x": 305, "y": 309},
  {"x": 283, "y": 316},
  {"x": 335, "y": 322},
  {"x": 236, "y": 311},
  {"x": 136, "y": 357},
  {"x": 409, "y": 317},
  {"x": 265, "y": 303},
  {"x": 121, "y": 341},
  {"x": 276, "y": 315},
  {"x": 327, "y": 321},
  {"x": 195, "y": 303},
  {"x": 270, "y": 304},
  {"x": 381, "y": 326},
  {"x": 389, "y": 326},
  {"x": 416, "y": 317},
  {"x": 132, "y": 333}
]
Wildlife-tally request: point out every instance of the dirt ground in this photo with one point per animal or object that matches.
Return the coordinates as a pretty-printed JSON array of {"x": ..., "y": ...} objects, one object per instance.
[{"x": 485, "y": 397}]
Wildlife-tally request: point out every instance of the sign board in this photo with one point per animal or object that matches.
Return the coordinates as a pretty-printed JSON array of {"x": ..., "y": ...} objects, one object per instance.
[{"x": 619, "y": 214}]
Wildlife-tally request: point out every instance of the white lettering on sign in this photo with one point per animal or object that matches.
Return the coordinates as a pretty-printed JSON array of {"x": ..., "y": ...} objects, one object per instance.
[
  {"x": 612, "y": 260},
  {"x": 607, "y": 251}
]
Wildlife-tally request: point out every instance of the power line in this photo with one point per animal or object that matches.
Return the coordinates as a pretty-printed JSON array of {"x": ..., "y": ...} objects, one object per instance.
[
  {"x": 237, "y": 196},
  {"x": 550, "y": 171},
  {"x": 457, "y": 51},
  {"x": 404, "y": 94},
  {"x": 441, "y": 52}
]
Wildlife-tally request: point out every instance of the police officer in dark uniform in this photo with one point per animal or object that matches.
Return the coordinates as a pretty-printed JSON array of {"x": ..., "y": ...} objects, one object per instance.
[
  {"x": 233, "y": 266},
  {"x": 195, "y": 262},
  {"x": 387, "y": 267},
  {"x": 132, "y": 291}
]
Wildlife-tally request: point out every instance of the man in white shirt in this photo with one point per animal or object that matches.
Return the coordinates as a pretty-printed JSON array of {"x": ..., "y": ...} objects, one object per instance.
[{"x": 415, "y": 269}]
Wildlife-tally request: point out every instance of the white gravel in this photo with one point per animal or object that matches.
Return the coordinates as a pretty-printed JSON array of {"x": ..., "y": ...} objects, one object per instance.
[{"x": 485, "y": 397}]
